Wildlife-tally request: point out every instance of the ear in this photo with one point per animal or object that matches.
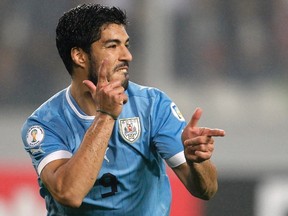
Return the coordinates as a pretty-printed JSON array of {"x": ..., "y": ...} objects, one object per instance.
[{"x": 78, "y": 56}]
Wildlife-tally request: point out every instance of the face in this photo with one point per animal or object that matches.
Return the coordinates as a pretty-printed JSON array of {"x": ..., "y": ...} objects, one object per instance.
[{"x": 114, "y": 47}]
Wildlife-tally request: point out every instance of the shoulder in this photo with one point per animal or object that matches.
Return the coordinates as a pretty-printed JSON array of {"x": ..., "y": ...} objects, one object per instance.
[
  {"x": 50, "y": 109},
  {"x": 143, "y": 91},
  {"x": 46, "y": 119},
  {"x": 153, "y": 97},
  {"x": 148, "y": 97}
]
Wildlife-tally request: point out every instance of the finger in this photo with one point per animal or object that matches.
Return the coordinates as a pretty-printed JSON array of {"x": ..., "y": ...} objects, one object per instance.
[
  {"x": 125, "y": 99},
  {"x": 115, "y": 88},
  {"x": 116, "y": 84},
  {"x": 197, "y": 156},
  {"x": 205, "y": 148},
  {"x": 195, "y": 117},
  {"x": 90, "y": 85},
  {"x": 195, "y": 141},
  {"x": 201, "y": 147},
  {"x": 122, "y": 98},
  {"x": 102, "y": 73},
  {"x": 213, "y": 132},
  {"x": 202, "y": 156},
  {"x": 200, "y": 140}
]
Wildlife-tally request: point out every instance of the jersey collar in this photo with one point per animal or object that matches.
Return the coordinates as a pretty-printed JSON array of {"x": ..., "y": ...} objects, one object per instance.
[{"x": 74, "y": 106}]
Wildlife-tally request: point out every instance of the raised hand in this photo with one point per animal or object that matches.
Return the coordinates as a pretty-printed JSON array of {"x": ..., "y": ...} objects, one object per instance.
[
  {"x": 109, "y": 97},
  {"x": 198, "y": 141}
]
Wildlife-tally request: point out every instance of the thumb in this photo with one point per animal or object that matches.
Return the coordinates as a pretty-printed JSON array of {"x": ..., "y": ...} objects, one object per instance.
[
  {"x": 195, "y": 117},
  {"x": 90, "y": 85}
]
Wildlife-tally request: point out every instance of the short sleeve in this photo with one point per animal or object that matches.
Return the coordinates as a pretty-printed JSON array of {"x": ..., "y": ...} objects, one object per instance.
[
  {"x": 168, "y": 124},
  {"x": 43, "y": 144}
]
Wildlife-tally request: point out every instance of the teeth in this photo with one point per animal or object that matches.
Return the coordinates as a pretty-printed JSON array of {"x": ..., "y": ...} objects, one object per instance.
[{"x": 123, "y": 70}]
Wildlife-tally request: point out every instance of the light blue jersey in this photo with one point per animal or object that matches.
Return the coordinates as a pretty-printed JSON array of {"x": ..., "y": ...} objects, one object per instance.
[{"x": 132, "y": 180}]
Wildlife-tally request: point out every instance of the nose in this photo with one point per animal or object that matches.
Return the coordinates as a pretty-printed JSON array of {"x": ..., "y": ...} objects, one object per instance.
[{"x": 126, "y": 54}]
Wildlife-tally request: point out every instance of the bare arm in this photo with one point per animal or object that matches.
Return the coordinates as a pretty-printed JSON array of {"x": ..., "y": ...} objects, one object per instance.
[
  {"x": 69, "y": 180},
  {"x": 198, "y": 174},
  {"x": 199, "y": 179}
]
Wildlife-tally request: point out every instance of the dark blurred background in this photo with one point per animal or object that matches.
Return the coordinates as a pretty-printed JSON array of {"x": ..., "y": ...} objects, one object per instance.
[{"x": 228, "y": 57}]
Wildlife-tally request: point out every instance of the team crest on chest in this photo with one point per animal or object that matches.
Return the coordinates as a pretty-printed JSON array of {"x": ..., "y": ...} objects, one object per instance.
[{"x": 130, "y": 129}]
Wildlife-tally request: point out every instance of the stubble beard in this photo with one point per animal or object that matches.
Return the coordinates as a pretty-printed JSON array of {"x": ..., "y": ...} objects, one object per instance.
[{"x": 92, "y": 76}]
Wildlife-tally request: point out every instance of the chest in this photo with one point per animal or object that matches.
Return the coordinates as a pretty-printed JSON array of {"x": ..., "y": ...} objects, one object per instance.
[{"x": 130, "y": 140}]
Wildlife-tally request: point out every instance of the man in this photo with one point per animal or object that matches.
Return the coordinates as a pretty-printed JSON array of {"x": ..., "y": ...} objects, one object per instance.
[{"x": 102, "y": 142}]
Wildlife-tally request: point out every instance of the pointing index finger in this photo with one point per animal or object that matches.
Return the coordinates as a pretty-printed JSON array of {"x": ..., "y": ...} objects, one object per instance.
[
  {"x": 213, "y": 132},
  {"x": 102, "y": 73}
]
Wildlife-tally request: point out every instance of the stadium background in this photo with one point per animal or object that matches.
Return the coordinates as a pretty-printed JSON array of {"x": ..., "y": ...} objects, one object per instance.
[{"x": 228, "y": 57}]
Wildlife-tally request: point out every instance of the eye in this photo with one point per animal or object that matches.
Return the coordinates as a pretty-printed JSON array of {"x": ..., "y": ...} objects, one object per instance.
[{"x": 113, "y": 46}]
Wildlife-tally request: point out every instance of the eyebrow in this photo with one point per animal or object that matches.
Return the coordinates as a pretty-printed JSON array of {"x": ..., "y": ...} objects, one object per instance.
[{"x": 116, "y": 41}]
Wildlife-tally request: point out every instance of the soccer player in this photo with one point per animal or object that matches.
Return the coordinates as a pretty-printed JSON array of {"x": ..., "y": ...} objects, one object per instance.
[{"x": 99, "y": 146}]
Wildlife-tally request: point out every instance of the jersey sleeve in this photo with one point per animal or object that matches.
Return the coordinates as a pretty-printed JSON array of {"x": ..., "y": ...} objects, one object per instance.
[
  {"x": 43, "y": 144},
  {"x": 168, "y": 124}
]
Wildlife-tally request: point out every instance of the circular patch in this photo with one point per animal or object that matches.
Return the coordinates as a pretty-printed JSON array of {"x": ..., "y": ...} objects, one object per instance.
[
  {"x": 35, "y": 135},
  {"x": 176, "y": 112}
]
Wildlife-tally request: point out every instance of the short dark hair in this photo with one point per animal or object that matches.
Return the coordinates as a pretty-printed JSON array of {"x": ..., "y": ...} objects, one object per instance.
[{"x": 81, "y": 26}]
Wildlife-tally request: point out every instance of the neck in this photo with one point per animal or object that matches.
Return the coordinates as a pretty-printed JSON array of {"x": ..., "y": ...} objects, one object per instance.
[{"x": 83, "y": 98}]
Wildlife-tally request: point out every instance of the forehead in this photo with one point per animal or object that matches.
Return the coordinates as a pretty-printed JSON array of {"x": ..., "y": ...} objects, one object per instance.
[{"x": 113, "y": 31}]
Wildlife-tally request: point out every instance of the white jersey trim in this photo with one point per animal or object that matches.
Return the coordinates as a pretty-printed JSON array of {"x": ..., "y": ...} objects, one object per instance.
[
  {"x": 75, "y": 109},
  {"x": 51, "y": 157},
  {"x": 176, "y": 160}
]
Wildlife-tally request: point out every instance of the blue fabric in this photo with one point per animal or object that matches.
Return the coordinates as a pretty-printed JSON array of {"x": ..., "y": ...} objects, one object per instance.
[{"x": 132, "y": 180}]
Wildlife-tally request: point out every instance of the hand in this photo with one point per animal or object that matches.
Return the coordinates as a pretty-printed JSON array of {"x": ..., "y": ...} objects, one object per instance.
[
  {"x": 198, "y": 141},
  {"x": 108, "y": 96}
]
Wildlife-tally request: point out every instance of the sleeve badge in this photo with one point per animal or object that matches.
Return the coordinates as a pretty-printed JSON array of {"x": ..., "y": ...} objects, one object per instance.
[
  {"x": 176, "y": 112},
  {"x": 35, "y": 135}
]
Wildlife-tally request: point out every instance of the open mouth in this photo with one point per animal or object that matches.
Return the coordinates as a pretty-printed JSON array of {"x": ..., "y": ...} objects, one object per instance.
[{"x": 123, "y": 70}]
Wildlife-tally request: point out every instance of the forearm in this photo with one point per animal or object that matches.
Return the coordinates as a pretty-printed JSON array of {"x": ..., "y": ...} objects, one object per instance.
[
  {"x": 203, "y": 182},
  {"x": 71, "y": 181}
]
